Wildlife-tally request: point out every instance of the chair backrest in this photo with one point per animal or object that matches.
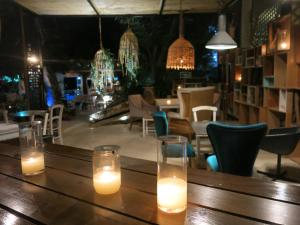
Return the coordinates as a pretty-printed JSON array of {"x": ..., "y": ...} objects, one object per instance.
[
  {"x": 236, "y": 147},
  {"x": 138, "y": 107},
  {"x": 161, "y": 123},
  {"x": 213, "y": 109},
  {"x": 135, "y": 105},
  {"x": 55, "y": 121},
  {"x": 5, "y": 115},
  {"x": 192, "y": 97},
  {"x": 282, "y": 141}
]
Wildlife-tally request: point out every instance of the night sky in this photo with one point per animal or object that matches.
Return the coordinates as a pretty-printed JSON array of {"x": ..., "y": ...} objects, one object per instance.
[{"x": 77, "y": 38}]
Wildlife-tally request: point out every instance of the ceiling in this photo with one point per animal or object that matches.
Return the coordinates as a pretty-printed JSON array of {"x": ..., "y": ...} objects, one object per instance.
[{"x": 119, "y": 7}]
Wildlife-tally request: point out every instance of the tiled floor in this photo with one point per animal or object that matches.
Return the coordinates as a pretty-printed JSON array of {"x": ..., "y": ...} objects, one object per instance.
[{"x": 80, "y": 133}]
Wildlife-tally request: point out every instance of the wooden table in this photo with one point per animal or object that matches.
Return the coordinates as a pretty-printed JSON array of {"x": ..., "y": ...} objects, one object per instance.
[
  {"x": 167, "y": 103},
  {"x": 64, "y": 194}
]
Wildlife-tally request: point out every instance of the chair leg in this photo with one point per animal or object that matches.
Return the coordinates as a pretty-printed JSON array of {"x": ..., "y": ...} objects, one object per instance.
[
  {"x": 278, "y": 170},
  {"x": 131, "y": 123},
  {"x": 278, "y": 174}
]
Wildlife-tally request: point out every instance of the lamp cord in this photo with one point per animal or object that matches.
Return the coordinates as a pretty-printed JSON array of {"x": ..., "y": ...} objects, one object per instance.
[
  {"x": 100, "y": 33},
  {"x": 181, "y": 24}
]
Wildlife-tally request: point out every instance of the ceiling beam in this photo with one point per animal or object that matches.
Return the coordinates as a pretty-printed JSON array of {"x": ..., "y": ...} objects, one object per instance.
[
  {"x": 162, "y": 5},
  {"x": 94, "y": 7}
]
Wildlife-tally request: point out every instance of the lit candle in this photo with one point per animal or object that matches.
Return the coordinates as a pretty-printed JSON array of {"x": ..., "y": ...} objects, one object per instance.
[
  {"x": 172, "y": 194},
  {"x": 32, "y": 163},
  {"x": 179, "y": 87},
  {"x": 107, "y": 181},
  {"x": 168, "y": 101}
]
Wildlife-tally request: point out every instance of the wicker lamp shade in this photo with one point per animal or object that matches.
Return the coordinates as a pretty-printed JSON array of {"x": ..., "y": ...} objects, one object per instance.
[{"x": 181, "y": 55}]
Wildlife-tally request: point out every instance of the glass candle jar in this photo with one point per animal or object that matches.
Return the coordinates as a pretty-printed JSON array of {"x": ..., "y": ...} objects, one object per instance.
[
  {"x": 106, "y": 169},
  {"x": 172, "y": 174},
  {"x": 31, "y": 144}
]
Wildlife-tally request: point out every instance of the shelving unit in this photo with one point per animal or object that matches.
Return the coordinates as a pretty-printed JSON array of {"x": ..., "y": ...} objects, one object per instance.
[{"x": 268, "y": 88}]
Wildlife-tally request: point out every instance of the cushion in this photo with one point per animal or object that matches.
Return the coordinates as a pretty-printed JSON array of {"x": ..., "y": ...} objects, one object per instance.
[
  {"x": 174, "y": 151},
  {"x": 213, "y": 162}
]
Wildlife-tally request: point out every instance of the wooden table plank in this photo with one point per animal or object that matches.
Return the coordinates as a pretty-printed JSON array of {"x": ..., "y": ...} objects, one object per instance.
[
  {"x": 246, "y": 185},
  {"x": 133, "y": 194},
  {"x": 48, "y": 207},
  {"x": 8, "y": 218}
]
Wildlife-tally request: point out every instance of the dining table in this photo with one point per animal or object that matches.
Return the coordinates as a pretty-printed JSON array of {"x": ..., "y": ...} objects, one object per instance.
[
  {"x": 64, "y": 194},
  {"x": 167, "y": 103}
]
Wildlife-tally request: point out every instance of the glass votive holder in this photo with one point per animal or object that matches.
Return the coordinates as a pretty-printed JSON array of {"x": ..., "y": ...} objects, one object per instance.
[
  {"x": 106, "y": 169},
  {"x": 32, "y": 155},
  {"x": 172, "y": 174}
]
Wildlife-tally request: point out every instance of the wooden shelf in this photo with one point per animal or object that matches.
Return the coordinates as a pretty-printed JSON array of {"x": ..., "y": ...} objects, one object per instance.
[{"x": 269, "y": 90}]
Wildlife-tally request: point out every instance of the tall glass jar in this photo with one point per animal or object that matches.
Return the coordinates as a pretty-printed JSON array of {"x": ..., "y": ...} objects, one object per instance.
[
  {"x": 172, "y": 173},
  {"x": 31, "y": 145},
  {"x": 106, "y": 169}
]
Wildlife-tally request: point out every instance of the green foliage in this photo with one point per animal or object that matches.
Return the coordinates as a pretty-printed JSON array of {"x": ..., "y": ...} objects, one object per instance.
[{"x": 102, "y": 68}]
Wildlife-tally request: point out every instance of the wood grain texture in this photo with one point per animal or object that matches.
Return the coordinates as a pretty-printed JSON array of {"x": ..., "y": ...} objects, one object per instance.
[
  {"x": 246, "y": 185},
  {"x": 213, "y": 197},
  {"x": 8, "y": 218}
]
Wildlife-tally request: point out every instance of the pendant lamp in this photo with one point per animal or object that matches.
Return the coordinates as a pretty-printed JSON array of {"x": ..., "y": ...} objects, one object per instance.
[
  {"x": 129, "y": 53},
  {"x": 103, "y": 66},
  {"x": 181, "y": 53},
  {"x": 221, "y": 40}
]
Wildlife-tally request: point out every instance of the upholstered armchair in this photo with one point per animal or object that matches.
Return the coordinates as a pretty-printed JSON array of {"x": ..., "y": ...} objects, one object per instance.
[
  {"x": 162, "y": 128},
  {"x": 139, "y": 108},
  {"x": 188, "y": 99},
  {"x": 235, "y": 147},
  {"x": 193, "y": 97}
]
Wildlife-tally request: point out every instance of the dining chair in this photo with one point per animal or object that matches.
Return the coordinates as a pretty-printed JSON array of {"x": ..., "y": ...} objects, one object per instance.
[
  {"x": 213, "y": 109},
  {"x": 55, "y": 122},
  {"x": 280, "y": 141},
  {"x": 203, "y": 124},
  {"x": 235, "y": 147},
  {"x": 162, "y": 129}
]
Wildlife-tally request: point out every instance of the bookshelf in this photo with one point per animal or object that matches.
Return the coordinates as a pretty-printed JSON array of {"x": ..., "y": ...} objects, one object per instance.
[{"x": 267, "y": 78}]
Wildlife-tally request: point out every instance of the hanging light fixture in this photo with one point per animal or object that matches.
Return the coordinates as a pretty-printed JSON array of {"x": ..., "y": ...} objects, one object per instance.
[
  {"x": 129, "y": 53},
  {"x": 181, "y": 53},
  {"x": 221, "y": 40},
  {"x": 103, "y": 65}
]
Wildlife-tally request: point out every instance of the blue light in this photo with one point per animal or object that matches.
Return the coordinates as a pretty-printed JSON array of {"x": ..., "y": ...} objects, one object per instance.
[
  {"x": 69, "y": 97},
  {"x": 50, "y": 97},
  {"x": 78, "y": 78}
]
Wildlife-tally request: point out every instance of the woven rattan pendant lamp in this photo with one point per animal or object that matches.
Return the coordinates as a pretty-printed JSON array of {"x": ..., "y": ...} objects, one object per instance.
[{"x": 181, "y": 53}]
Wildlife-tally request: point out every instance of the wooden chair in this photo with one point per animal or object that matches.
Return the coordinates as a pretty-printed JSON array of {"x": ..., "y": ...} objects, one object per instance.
[
  {"x": 203, "y": 108},
  {"x": 203, "y": 124},
  {"x": 55, "y": 122}
]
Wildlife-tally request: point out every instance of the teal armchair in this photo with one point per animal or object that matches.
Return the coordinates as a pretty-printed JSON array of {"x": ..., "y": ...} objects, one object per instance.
[
  {"x": 162, "y": 128},
  {"x": 235, "y": 147}
]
